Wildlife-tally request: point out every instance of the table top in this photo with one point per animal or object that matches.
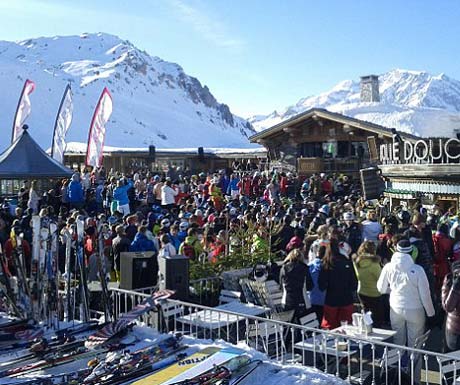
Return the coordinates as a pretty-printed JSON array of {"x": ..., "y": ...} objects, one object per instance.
[
  {"x": 376, "y": 334},
  {"x": 319, "y": 345},
  {"x": 215, "y": 319}
]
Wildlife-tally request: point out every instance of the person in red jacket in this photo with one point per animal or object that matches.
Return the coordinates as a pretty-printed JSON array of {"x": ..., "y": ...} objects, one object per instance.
[
  {"x": 442, "y": 254},
  {"x": 326, "y": 186}
]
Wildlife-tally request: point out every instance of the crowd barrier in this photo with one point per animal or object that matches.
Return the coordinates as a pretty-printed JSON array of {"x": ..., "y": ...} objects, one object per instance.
[{"x": 356, "y": 359}]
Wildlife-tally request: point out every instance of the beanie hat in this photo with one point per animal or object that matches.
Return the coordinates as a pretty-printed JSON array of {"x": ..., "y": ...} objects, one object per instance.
[{"x": 404, "y": 246}]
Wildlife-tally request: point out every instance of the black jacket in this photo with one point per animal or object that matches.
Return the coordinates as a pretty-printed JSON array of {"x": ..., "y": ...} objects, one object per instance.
[
  {"x": 293, "y": 276},
  {"x": 339, "y": 281},
  {"x": 119, "y": 245},
  {"x": 283, "y": 237},
  {"x": 353, "y": 236}
]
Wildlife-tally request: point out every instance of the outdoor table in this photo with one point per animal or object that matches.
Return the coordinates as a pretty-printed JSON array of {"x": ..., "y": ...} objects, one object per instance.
[
  {"x": 325, "y": 345},
  {"x": 376, "y": 335},
  {"x": 211, "y": 319}
]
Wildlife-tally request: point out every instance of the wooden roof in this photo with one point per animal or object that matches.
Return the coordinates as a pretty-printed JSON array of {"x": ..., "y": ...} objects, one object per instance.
[{"x": 311, "y": 116}]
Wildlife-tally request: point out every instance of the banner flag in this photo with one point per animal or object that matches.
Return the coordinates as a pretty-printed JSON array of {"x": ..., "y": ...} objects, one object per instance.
[
  {"x": 22, "y": 110},
  {"x": 62, "y": 124},
  {"x": 96, "y": 136}
]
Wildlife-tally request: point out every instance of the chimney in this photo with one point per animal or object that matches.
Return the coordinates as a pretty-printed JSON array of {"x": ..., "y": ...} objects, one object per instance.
[{"x": 370, "y": 88}]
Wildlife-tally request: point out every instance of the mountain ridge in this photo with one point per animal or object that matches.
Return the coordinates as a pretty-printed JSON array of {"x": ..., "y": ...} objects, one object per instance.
[
  {"x": 411, "y": 101},
  {"x": 155, "y": 101}
]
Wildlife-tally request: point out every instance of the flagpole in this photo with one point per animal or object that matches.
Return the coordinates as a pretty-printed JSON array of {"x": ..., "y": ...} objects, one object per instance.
[
  {"x": 57, "y": 118},
  {"x": 17, "y": 109}
]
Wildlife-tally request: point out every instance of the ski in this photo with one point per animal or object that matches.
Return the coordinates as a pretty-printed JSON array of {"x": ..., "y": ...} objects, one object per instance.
[
  {"x": 126, "y": 319},
  {"x": 102, "y": 235},
  {"x": 80, "y": 258},
  {"x": 67, "y": 240}
]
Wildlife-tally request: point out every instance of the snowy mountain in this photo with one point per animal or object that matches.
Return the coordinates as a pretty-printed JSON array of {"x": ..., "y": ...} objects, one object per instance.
[
  {"x": 155, "y": 102},
  {"x": 411, "y": 101}
]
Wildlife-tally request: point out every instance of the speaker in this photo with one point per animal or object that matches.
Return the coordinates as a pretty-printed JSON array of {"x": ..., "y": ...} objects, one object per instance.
[
  {"x": 200, "y": 154},
  {"x": 174, "y": 275},
  {"x": 138, "y": 270},
  {"x": 152, "y": 153},
  {"x": 371, "y": 183}
]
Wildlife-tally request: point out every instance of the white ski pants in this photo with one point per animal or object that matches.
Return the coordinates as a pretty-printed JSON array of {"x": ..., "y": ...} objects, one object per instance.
[{"x": 408, "y": 325}]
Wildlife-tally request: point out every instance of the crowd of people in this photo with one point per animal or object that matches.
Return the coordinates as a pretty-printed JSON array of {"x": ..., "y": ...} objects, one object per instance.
[{"x": 330, "y": 250}]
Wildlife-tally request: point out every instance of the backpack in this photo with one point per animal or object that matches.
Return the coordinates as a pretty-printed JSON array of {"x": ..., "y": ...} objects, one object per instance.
[{"x": 188, "y": 250}]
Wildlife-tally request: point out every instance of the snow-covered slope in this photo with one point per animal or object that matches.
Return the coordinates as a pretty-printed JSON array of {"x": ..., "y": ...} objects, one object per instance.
[
  {"x": 155, "y": 102},
  {"x": 411, "y": 101}
]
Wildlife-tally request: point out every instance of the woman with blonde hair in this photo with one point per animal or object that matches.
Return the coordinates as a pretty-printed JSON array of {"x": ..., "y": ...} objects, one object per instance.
[
  {"x": 295, "y": 281},
  {"x": 368, "y": 269}
]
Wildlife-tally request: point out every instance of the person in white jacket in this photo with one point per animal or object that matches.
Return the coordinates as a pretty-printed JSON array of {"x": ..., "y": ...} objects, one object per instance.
[
  {"x": 409, "y": 292},
  {"x": 168, "y": 195}
]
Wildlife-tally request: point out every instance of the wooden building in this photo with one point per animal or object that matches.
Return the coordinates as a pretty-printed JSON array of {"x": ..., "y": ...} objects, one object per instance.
[
  {"x": 322, "y": 141},
  {"x": 128, "y": 159}
]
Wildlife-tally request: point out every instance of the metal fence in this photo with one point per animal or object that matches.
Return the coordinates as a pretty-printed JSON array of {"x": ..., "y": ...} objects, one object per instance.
[{"x": 356, "y": 359}]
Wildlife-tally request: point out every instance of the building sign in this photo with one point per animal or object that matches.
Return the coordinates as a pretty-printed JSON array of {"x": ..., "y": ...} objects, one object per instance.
[{"x": 442, "y": 150}]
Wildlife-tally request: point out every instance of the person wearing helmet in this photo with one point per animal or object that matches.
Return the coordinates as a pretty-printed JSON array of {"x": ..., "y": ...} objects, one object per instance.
[
  {"x": 165, "y": 224},
  {"x": 324, "y": 210}
]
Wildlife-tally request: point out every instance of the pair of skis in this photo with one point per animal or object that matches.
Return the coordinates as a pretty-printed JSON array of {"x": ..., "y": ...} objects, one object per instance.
[{"x": 43, "y": 285}]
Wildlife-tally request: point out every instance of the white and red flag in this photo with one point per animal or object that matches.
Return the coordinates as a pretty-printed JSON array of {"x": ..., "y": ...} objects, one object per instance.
[
  {"x": 96, "y": 136},
  {"x": 62, "y": 124},
  {"x": 23, "y": 109}
]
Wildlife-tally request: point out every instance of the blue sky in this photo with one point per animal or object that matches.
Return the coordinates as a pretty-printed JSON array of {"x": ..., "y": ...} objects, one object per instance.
[{"x": 261, "y": 55}]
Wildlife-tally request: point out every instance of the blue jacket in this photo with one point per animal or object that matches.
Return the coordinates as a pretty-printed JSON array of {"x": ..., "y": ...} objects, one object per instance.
[
  {"x": 233, "y": 185},
  {"x": 182, "y": 235},
  {"x": 120, "y": 194},
  {"x": 175, "y": 241},
  {"x": 317, "y": 296},
  {"x": 141, "y": 243},
  {"x": 75, "y": 192}
]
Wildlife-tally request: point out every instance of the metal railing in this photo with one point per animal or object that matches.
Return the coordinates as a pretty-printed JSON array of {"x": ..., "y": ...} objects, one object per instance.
[
  {"x": 356, "y": 359},
  {"x": 205, "y": 291}
]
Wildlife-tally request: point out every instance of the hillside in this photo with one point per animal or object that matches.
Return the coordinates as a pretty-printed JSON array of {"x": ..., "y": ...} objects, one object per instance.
[
  {"x": 155, "y": 101},
  {"x": 411, "y": 101}
]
